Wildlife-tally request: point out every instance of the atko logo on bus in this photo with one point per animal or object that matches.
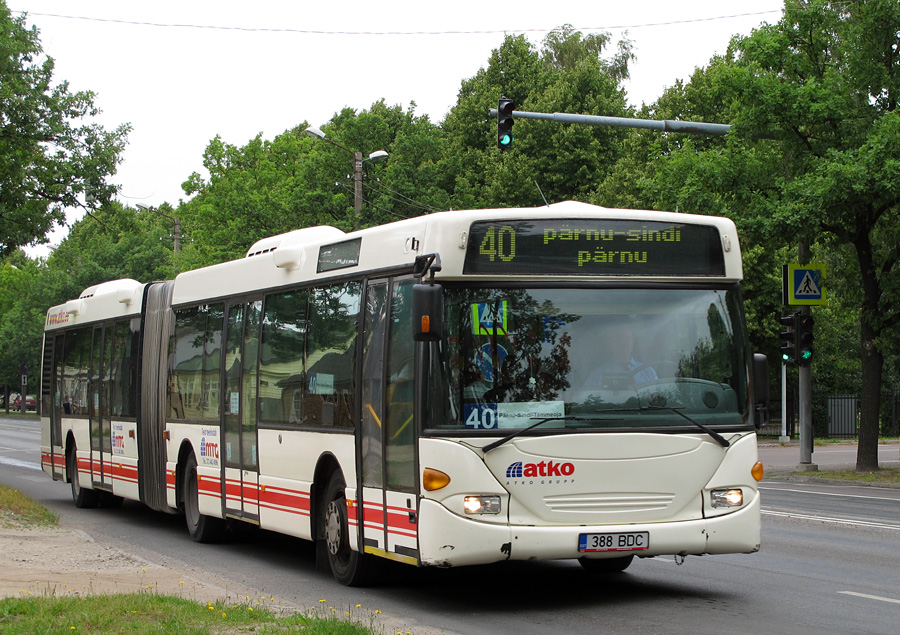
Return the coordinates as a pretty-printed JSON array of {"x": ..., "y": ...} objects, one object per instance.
[{"x": 545, "y": 471}]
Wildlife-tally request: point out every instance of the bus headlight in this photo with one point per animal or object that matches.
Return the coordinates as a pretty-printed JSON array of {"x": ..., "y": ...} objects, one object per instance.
[
  {"x": 482, "y": 504},
  {"x": 727, "y": 497}
]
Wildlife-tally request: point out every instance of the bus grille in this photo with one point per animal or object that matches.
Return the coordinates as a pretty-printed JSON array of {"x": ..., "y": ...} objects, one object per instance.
[{"x": 609, "y": 502}]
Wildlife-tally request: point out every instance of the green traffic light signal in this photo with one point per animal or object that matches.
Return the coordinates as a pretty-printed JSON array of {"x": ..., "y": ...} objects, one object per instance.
[
  {"x": 788, "y": 339},
  {"x": 505, "y": 108},
  {"x": 804, "y": 334}
]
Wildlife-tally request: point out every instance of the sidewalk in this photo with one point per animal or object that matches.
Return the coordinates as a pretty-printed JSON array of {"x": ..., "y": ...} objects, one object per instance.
[{"x": 779, "y": 458}]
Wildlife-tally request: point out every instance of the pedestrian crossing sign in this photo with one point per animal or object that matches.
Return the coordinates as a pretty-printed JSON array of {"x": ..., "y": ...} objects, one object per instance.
[{"x": 804, "y": 284}]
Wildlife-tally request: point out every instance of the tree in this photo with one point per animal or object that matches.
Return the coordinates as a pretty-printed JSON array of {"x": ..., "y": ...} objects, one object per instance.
[
  {"x": 568, "y": 74},
  {"x": 827, "y": 76},
  {"x": 114, "y": 242},
  {"x": 50, "y": 162}
]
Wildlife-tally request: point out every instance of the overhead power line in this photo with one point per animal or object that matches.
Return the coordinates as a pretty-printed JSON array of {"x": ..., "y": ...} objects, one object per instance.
[{"x": 173, "y": 25}]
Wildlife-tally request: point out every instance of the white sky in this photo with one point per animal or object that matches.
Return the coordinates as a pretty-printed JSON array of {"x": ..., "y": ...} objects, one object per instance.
[{"x": 179, "y": 86}]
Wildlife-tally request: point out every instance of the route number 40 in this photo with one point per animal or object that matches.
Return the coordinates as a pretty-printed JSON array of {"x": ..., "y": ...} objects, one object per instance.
[
  {"x": 499, "y": 243},
  {"x": 482, "y": 416}
]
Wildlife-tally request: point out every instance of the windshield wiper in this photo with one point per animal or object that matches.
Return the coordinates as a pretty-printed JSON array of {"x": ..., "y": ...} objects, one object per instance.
[
  {"x": 715, "y": 435},
  {"x": 540, "y": 421}
]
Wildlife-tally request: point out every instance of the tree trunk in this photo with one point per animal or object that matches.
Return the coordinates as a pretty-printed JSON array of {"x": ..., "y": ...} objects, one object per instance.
[
  {"x": 870, "y": 401},
  {"x": 872, "y": 359}
]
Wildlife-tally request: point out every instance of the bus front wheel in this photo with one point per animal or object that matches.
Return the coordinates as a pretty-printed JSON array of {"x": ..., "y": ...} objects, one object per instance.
[
  {"x": 349, "y": 567},
  {"x": 201, "y": 528}
]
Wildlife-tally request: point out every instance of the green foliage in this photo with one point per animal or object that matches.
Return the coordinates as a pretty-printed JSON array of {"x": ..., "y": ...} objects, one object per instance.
[
  {"x": 113, "y": 242},
  {"x": 567, "y": 74},
  {"x": 49, "y": 160},
  {"x": 825, "y": 77}
]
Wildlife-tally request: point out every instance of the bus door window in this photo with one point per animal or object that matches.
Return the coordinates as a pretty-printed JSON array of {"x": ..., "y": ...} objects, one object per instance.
[
  {"x": 249, "y": 455},
  {"x": 400, "y": 428},
  {"x": 241, "y": 364},
  {"x": 373, "y": 385}
]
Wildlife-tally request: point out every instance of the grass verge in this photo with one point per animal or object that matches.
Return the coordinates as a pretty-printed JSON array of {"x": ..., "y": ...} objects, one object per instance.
[
  {"x": 17, "y": 510},
  {"x": 150, "y": 613},
  {"x": 884, "y": 475}
]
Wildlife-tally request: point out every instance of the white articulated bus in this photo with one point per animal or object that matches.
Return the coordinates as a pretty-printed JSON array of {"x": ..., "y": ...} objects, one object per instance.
[{"x": 455, "y": 389}]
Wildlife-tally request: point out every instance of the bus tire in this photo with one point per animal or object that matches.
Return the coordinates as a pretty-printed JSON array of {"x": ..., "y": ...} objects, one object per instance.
[
  {"x": 83, "y": 498},
  {"x": 606, "y": 565},
  {"x": 205, "y": 529},
  {"x": 349, "y": 567}
]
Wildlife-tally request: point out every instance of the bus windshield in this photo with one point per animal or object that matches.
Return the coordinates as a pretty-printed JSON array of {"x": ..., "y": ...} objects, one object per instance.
[{"x": 589, "y": 358}]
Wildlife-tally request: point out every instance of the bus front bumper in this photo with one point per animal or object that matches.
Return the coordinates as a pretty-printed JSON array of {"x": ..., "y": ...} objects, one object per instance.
[{"x": 449, "y": 540}]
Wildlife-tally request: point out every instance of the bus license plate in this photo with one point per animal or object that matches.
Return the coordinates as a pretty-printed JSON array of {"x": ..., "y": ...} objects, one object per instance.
[{"x": 634, "y": 541}]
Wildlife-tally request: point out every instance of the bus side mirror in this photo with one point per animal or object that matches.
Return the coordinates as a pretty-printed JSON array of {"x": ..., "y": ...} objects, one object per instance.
[
  {"x": 760, "y": 390},
  {"x": 427, "y": 312}
]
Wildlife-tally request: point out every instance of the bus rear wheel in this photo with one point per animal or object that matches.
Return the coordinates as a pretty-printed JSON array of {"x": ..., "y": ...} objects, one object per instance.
[
  {"x": 202, "y": 528},
  {"x": 83, "y": 498},
  {"x": 606, "y": 565},
  {"x": 349, "y": 567}
]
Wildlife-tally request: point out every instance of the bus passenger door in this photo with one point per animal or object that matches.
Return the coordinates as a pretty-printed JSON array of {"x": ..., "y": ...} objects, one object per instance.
[
  {"x": 101, "y": 444},
  {"x": 389, "y": 506},
  {"x": 240, "y": 480},
  {"x": 52, "y": 403}
]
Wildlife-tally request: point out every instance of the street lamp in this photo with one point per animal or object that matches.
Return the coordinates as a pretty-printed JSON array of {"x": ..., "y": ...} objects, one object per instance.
[
  {"x": 357, "y": 168},
  {"x": 177, "y": 222}
]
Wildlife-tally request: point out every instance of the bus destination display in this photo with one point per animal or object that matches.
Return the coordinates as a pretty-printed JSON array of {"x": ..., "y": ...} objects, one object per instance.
[{"x": 593, "y": 247}]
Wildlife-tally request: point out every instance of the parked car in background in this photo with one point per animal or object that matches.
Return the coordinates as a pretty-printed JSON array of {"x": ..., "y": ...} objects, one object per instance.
[{"x": 30, "y": 403}]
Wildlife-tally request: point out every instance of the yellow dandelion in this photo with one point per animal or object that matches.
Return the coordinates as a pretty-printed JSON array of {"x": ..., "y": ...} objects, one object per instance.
[
  {"x": 251, "y": 608},
  {"x": 224, "y": 615},
  {"x": 377, "y": 611},
  {"x": 263, "y": 597},
  {"x": 211, "y": 608},
  {"x": 246, "y": 597},
  {"x": 321, "y": 600},
  {"x": 182, "y": 582},
  {"x": 358, "y": 605}
]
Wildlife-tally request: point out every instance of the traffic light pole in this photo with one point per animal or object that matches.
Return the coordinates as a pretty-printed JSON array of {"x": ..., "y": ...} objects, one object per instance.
[
  {"x": 805, "y": 389},
  {"x": 784, "y": 438}
]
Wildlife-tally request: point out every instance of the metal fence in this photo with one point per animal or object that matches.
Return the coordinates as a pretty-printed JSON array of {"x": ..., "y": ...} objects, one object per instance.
[{"x": 843, "y": 416}]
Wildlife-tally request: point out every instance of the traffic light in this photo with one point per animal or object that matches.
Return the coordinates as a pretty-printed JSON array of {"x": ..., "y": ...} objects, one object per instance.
[
  {"x": 788, "y": 339},
  {"x": 803, "y": 331},
  {"x": 505, "y": 108}
]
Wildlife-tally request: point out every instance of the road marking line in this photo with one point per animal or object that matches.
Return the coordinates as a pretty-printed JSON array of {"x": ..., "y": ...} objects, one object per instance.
[
  {"x": 805, "y": 491},
  {"x": 870, "y": 597},
  {"x": 828, "y": 519},
  {"x": 18, "y": 463}
]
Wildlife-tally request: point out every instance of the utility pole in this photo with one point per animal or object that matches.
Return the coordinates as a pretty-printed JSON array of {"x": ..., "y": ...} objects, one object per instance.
[
  {"x": 357, "y": 186},
  {"x": 357, "y": 170}
]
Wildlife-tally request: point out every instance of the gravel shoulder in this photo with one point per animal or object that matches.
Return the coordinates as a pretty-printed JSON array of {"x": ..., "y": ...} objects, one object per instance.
[{"x": 62, "y": 561}]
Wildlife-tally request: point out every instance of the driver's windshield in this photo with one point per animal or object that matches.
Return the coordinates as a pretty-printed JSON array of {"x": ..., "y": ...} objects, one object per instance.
[{"x": 589, "y": 358}]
